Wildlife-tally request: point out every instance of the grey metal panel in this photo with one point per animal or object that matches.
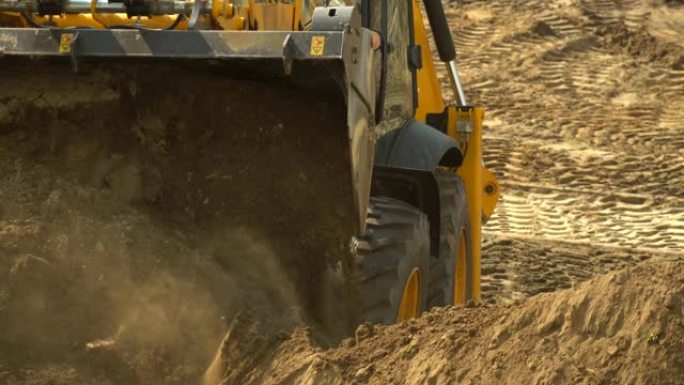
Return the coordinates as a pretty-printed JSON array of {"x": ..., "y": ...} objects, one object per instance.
[
  {"x": 171, "y": 44},
  {"x": 333, "y": 18},
  {"x": 415, "y": 146},
  {"x": 361, "y": 115}
]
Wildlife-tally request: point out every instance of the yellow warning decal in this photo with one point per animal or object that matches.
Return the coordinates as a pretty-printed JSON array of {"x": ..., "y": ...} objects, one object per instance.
[
  {"x": 65, "y": 41},
  {"x": 317, "y": 45}
]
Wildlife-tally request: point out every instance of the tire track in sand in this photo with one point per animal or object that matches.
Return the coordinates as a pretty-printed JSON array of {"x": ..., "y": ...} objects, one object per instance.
[{"x": 585, "y": 131}]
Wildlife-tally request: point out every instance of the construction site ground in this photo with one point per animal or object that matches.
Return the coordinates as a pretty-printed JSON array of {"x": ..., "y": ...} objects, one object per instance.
[{"x": 583, "y": 261}]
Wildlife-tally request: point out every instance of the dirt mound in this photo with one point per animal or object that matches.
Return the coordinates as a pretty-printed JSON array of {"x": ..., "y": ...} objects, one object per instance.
[
  {"x": 623, "y": 327},
  {"x": 641, "y": 45}
]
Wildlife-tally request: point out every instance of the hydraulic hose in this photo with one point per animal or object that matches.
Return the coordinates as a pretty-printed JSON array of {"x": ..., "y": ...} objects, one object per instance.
[
  {"x": 95, "y": 16},
  {"x": 440, "y": 30}
]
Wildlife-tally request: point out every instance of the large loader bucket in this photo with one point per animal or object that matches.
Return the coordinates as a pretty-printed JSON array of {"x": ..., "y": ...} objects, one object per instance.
[{"x": 266, "y": 132}]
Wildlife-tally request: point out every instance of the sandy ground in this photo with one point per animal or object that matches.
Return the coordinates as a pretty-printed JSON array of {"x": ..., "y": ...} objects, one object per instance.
[{"x": 584, "y": 129}]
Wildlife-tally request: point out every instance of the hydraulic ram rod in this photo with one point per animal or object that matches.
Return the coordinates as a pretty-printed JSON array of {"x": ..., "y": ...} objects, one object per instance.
[{"x": 156, "y": 7}]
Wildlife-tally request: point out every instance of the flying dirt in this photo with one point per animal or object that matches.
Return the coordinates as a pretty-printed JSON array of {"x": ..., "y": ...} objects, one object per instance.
[{"x": 135, "y": 250}]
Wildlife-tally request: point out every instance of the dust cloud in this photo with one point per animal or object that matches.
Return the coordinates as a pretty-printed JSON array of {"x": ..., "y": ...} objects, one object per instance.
[{"x": 116, "y": 298}]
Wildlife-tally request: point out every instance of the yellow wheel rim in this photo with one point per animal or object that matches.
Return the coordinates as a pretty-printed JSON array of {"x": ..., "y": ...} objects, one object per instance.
[
  {"x": 410, "y": 299},
  {"x": 460, "y": 268}
]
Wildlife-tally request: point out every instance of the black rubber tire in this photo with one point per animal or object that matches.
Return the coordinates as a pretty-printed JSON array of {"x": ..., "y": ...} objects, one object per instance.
[
  {"x": 454, "y": 220},
  {"x": 396, "y": 241}
]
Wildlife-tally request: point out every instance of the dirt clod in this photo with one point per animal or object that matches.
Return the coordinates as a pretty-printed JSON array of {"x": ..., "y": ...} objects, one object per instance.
[{"x": 364, "y": 331}]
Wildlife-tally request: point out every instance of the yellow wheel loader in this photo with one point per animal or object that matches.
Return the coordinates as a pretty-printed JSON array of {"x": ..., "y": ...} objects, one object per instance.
[{"x": 322, "y": 122}]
